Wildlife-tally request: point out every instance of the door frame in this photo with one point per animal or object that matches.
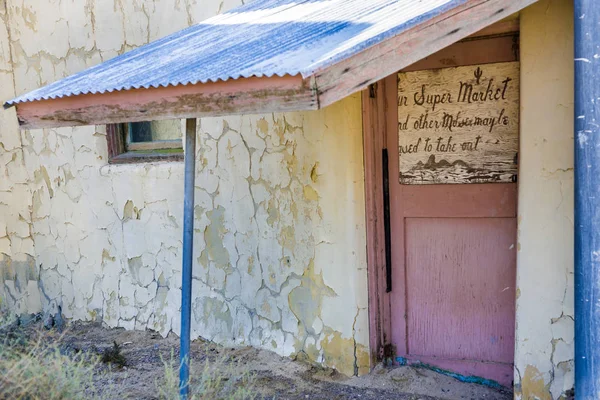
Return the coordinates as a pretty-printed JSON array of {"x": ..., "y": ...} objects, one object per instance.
[{"x": 376, "y": 129}]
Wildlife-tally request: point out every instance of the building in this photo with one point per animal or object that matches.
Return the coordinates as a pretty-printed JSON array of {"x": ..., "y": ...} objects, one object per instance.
[{"x": 289, "y": 218}]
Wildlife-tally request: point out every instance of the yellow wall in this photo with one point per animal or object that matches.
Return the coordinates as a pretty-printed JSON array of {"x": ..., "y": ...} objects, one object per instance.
[
  {"x": 544, "y": 336},
  {"x": 279, "y": 239}
]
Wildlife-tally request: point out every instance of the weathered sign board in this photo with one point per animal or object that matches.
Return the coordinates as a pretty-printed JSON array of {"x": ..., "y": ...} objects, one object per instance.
[{"x": 459, "y": 125}]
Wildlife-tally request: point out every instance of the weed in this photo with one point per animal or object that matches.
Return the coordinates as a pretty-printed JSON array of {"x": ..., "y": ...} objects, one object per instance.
[
  {"x": 33, "y": 367},
  {"x": 113, "y": 355},
  {"x": 218, "y": 379}
]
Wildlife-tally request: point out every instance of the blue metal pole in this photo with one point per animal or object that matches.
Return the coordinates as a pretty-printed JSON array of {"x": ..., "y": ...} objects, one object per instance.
[
  {"x": 188, "y": 249},
  {"x": 587, "y": 199}
]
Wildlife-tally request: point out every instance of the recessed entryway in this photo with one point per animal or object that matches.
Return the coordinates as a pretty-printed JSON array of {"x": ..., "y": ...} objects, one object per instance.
[{"x": 447, "y": 183}]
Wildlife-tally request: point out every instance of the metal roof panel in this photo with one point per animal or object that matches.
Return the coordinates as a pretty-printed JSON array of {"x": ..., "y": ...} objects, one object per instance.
[{"x": 261, "y": 39}]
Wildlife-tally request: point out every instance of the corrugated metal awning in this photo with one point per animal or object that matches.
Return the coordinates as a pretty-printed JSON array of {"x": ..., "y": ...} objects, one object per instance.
[{"x": 269, "y": 55}]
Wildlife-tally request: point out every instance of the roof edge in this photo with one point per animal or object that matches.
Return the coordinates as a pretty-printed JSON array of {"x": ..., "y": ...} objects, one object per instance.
[
  {"x": 391, "y": 55},
  {"x": 240, "y": 96}
]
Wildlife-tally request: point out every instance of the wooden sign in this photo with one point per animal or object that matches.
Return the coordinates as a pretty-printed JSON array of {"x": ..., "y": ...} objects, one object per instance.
[{"x": 459, "y": 125}]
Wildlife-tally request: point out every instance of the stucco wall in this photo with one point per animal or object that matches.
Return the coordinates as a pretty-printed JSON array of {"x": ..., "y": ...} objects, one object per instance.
[
  {"x": 279, "y": 230},
  {"x": 544, "y": 336},
  {"x": 18, "y": 270}
]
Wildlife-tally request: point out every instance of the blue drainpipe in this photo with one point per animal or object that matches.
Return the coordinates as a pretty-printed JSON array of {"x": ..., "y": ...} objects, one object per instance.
[
  {"x": 188, "y": 250},
  {"x": 587, "y": 199}
]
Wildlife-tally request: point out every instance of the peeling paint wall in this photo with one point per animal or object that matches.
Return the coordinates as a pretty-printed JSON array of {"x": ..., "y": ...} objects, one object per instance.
[
  {"x": 279, "y": 239},
  {"x": 545, "y": 330},
  {"x": 18, "y": 270}
]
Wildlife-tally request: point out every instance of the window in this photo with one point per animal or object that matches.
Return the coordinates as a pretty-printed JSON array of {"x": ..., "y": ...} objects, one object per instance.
[{"x": 145, "y": 141}]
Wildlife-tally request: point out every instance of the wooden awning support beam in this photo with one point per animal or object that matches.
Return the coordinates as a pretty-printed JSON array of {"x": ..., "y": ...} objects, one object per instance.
[{"x": 239, "y": 96}]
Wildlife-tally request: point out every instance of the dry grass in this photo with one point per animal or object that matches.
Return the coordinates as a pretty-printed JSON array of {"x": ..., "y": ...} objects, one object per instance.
[
  {"x": 35, "y": 364},
  {"x": 218, "y": 379},
  {"x": 32, "y": 366}
]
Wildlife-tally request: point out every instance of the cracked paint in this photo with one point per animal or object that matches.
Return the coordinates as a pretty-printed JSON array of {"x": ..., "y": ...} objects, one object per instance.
[
  {"x": 275, "y": 245},
  {"x": 19, "y": 273},
  {"x": 346, "y": 353},
  {"x": 544, "y": 349},
  {"x": 305, "y": 300}
]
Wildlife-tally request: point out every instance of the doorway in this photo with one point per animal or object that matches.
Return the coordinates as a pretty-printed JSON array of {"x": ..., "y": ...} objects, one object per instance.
[{"x": 445, "y": 281}]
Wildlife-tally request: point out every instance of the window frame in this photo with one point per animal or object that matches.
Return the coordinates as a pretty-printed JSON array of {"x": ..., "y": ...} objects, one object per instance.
[{"x": 120, "y": 152}]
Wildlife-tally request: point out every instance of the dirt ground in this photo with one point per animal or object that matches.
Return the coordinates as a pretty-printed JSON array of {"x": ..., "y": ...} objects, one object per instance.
[{"x": 275, "y": 377}]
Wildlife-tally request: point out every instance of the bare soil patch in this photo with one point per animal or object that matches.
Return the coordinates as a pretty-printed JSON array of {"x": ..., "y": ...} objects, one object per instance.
[{"x": 274, "y": 377}]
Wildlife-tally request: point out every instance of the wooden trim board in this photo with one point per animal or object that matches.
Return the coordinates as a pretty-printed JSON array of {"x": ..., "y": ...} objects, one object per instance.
[
  {"x": 506, "y": 26},
  {"x": 373, "y": 101},
  {"x": 135, "y": 157},
  {"x": 239, "y": 96},
  {"x": 157, "y": 145},
  {"x": 115, "y": 140}
]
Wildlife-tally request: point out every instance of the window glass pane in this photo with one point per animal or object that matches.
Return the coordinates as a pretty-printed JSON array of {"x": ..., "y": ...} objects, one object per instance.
[
  {"x": 151, "y": 131},
  {"x": 140, "y": 132}
]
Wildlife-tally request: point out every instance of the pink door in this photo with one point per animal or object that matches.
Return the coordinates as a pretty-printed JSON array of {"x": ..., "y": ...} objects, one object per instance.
[{"x": 453, "y": 260}]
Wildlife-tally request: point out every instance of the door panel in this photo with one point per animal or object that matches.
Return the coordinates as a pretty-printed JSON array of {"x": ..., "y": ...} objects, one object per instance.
[
  {"x": 473, "y": 200},
  {"x": 453, "y": 261},
  {"x": 460, "y": 293}
]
